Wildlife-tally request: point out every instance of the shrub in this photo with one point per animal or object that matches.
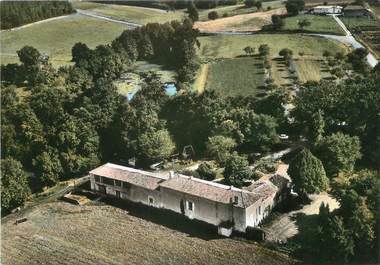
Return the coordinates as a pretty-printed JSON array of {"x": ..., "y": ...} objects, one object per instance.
[{"x": 213, "y": 15}]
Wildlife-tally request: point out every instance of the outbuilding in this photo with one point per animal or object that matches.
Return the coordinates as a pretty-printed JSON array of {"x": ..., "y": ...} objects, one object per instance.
[{"x": 326, "y": 10}]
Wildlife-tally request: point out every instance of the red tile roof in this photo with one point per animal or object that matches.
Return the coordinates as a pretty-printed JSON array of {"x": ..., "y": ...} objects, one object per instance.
[{"x": 133, "y": 176}]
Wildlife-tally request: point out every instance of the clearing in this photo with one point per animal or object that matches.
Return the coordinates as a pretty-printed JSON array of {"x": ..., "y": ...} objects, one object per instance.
[
  {"x": 319, "y": 24},
  {"x": 62, "y": 233},
  {"x": 239, "y": 76},
  {"x": 56, "y": 38},
  {"x": 284, "y": 226}
]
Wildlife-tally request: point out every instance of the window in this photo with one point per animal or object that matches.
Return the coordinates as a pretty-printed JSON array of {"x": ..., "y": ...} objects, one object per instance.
[
  {"x": 126, "y": 185},
  {"x": 259, "y": 210},
  {"x": 190, "y": 206},
  {"x": 108, "y": 181},
  {"x": 150, "y": 200},
  {"x": 236, "y": 199},
  {"x": 97, "y": 178},
  {"x": 117, "y": 183}
]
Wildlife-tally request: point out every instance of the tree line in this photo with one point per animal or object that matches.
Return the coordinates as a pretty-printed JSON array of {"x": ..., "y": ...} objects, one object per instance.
[
  {"x": 18, "y": 13},
  {"x": 341, "y": 123}
]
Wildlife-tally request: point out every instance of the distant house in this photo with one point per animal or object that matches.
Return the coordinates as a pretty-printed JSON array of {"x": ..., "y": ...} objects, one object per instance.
[
  {"x": 198, "y": 199},
  {"x": 325, "y": 10},
  {"x": 356, "y": 11}
]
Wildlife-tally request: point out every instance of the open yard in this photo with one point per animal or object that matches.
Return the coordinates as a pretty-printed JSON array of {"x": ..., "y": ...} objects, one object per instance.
[
  {"x": 230, "y": 46},
  {"x": 239, "y": 76},
  {"x": 319, "y": 24},
  {"x": 56, "y": 38},
  {"x": 61, "y": 233}
]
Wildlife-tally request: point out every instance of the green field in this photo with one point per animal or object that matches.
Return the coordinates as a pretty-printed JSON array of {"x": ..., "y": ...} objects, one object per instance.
[
  {"x": 56, "y": 38},
  {"x": 239, "y": 76},
  {"x": 228, "y": 46},
  {"x": 133, "y": 14},
  {"x": 319, "y": 24}
]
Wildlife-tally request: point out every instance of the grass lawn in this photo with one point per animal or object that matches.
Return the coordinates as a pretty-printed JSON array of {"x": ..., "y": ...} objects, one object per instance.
[
  {"x": 133, "y": 14},
  {"x": 228, "y": 46},
  {"x": 319, "y": 24},
  {"x": 239, "y": 76},
  {"x": 56, "y": 38}
]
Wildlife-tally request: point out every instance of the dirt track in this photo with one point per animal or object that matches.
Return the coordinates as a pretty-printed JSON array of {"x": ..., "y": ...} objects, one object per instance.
[
  {"x": 61, "y": 233},
  {"x": 234, "y": 23}
]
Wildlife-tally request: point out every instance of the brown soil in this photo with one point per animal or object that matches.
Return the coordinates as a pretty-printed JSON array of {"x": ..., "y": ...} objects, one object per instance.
[
  {"x": 61, "y": 233},
  {"x": 234, "y": 23}
]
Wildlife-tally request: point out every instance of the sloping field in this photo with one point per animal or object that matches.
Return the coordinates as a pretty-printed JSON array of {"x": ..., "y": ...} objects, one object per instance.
[
  {"x": 56, "y": 38},
  {"x": 61, "y": 233},
  {"x": 230, "y": 46},
  {"x": 139, "y": 15}
]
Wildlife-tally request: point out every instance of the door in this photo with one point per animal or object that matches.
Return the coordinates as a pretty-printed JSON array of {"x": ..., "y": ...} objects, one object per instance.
[
  {"x": 102, "y": 189},
  {"x": 118, "y": 194}
]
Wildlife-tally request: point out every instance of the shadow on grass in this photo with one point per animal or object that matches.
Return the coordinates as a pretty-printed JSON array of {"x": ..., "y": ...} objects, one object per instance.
[
  {"x": 305, "y": 244},
  {"x": 169, "y": 219}
]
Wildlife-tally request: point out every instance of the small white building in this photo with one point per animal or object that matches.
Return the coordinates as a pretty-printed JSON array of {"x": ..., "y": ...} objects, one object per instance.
[
  {"x": 226, "y": 207},
  {"x": 326, "y": 10}
]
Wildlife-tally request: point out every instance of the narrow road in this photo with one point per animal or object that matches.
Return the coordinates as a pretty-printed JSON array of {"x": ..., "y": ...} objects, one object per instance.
[
  {"x": 95, "y": 15},
  {"x": 38, "y": 22},
  {"x": 349, "y": 40}
]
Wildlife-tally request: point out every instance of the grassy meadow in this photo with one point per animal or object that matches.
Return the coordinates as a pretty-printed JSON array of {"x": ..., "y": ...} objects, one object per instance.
[
  {"x": 230, "y": 46},
  {"x": 319, "y": 24},
  {"x": 239, "y": 76},
  {"x": 139, "y": 15},
  {"x": 56, "y": 38}
]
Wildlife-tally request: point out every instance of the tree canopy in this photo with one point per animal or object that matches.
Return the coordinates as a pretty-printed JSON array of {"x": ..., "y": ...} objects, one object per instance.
[{"x": 307, "y": 173}]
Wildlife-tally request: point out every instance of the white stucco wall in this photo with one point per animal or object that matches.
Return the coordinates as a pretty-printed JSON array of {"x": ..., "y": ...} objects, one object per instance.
[{"x": 203, "y": 209}]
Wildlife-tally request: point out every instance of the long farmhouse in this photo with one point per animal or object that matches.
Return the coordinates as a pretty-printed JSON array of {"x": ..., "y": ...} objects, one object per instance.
[{"x": 226, "y": 207}]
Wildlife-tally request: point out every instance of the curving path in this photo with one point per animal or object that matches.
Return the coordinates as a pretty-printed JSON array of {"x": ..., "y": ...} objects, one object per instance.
[
  {"x": 95, "y": 15},
  {"x": 349, "y": 40}
]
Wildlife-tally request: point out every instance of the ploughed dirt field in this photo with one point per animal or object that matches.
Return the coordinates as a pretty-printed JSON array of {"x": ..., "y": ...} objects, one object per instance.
[
  {"x": 246, "y": 22},
  {"x": 61, "y": 233}
]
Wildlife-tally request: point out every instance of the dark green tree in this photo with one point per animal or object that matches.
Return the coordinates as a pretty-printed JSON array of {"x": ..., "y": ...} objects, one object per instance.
[
  {"x": 277, "y": 22},
  {"x": 48, "y": 168},
  {"x": 219, "y": 147},
  {"x": 307, "y": 173},
  {"x": 14, "y": 185},
  {"x": 294, "y": 6},
  {"x": 236, "y": 170},
  {"x": 155, "y": 146},
  {"x": 205, "y": 171},
  {"x": 193, "y": 12},
  {"x": 338, "y": 152}
]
